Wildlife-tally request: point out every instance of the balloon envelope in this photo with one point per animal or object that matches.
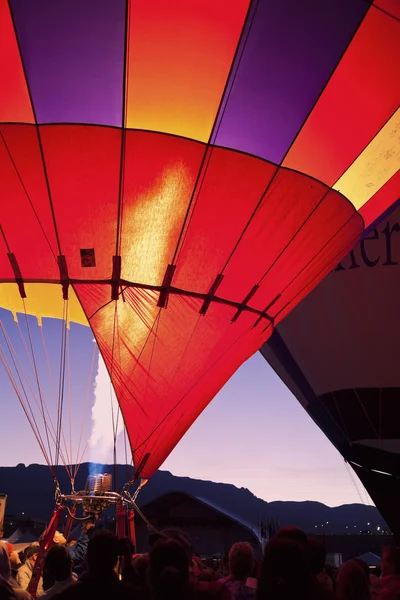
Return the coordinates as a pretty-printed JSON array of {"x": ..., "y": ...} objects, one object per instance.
[
  {"x": 150, "y": 151},
  {"x": 338, "y": 352}
]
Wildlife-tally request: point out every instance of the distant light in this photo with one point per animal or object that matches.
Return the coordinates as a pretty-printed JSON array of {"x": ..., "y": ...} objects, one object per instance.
[
  {"x": 23, "y": 513},
  {"x": 378, "y": 528},
  {"x": 327, "y": 522},
  {"x": 347, "y": 526},
  {"x": 368, "y": 523},
  {"x": 316, "y": 525}
]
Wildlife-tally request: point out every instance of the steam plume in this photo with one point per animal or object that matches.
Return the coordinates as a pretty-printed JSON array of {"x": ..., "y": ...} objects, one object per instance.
[{"x": 101, "y": 441}]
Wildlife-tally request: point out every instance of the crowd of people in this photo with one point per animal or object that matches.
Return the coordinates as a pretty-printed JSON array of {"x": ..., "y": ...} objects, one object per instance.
[{"x": 99, "y": 565}]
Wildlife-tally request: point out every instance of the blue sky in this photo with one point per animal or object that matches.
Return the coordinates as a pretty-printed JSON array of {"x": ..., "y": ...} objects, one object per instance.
[{"x": 254, "y": 434}]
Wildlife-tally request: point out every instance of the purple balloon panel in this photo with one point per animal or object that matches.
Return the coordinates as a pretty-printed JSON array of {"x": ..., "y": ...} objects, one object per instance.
[
  {"x": 291, "y": 47},
  {"x": 73, "y": 54}
]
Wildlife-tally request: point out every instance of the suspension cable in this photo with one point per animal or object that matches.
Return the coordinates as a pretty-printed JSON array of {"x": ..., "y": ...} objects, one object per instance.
[
  {"x": 37, "y": 378},
  {"x": 22, "y": 393},
  {"x": 88, "y": 389},
  {"x": 66, "y": 462},
  {"x": 61, "y": 381}
]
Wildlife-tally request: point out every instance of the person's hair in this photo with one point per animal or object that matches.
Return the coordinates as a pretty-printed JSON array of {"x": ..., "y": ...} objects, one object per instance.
[
  {"x": 32, "y": 550},
  {"x": 241, "y": 560},
  {"x": 7, "y": 592},
  {"x": 139, "y": 568},
  {"x": 363, "y": 565},
  {"x": 169, "y": 569},
  {"x": 292, "y": 533},
  {"x": 58, "y": 563},
  {"x": 351, "y": 582},
  {"x": 102, "y": 552},
  {"x": 172, "y": 533},
  {"x": 392, "y": 555},
  {"x": 284, "y": 572},
  {"x": 316, "y": 554}
]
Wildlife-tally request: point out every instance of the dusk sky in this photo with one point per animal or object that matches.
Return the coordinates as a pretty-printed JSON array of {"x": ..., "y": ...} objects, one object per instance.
[{"x": 254, "y": 434}]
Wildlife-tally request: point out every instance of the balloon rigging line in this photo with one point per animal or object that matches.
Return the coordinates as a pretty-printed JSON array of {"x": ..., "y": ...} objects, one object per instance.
[
  {"x": 22, "y": 393},
  {"x": 20, "y": 370},
  {"x": 366, "y": 414},
  {"x": 37, "y": 378},
  {"x": 88, "y": 389},
  {"x": 18, "y": 394},
  {"x": 177, "y": 368},
  {"x": 344, "y": 428},
  {"x": 188, "y": 391},
  {"x": 53, "y": 434},
  {"x": 68, "y": 460},
  {"x": 114, "y": 427},
  {"x": 354, "y": 482},
  {"x": 46, "y": 411},
  {"x": 61, "y": 379},
  {"x": 69, "y": 399}
]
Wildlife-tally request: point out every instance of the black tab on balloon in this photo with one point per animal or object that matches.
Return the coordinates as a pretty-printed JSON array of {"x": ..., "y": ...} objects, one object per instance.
[
  {"x": 17, "y": 274},
  {"x": 211, "y": 292},
  {"x": 88, "y": 258},
  {"x": 64, "y": 278},
  {"x": 116, "y": 277},
  {"x": 166, "y": 284},
  {"x": 244, "y": 303},
  {"x": 141, "y": 465},
  {"x": 265, "y": 315}
]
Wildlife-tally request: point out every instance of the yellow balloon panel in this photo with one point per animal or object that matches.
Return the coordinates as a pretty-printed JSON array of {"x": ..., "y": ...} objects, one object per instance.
[{"x": 43, "y": 300}]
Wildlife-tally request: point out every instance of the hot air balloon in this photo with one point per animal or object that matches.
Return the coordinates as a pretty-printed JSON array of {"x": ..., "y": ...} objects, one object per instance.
[
  {"x": 338, "y": 352},
  {"x": 150, "y": 151}
]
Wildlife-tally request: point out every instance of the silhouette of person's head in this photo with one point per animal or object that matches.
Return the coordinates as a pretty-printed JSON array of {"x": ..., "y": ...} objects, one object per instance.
[
  {"x": 58, "y": 563},
  {"x": 351, "y": 582},
  {"x": 285, "y": 572},
  {"x": 169, "y": 569},
  {"x": 292, "y": 533},
  {"x": 317, "y": 555},
  {"x": 241, "y": 561},
  {"x": 102, "y": 553}
]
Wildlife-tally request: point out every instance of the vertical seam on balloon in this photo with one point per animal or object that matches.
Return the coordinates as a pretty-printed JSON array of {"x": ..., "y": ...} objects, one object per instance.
[
  {"x": 26, "y": 194},
  {"x": 37, "y": 130},
  {"x": 372, "y": 4},
  {"x": 178, "y": 366},
  {"x": 193, "y": 386},
  {"x": 305, "y": 221},
  {"x": 337, "y": 256},
  {"x": 203, "y": 167},
  {"x": 324, "y": 87},
  {"x": 123, "y": 133},
  {"x": 291, "y": 144}
]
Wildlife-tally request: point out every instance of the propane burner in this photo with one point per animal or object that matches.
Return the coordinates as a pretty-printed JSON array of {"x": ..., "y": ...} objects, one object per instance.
[{"x": 97, "y": 485}]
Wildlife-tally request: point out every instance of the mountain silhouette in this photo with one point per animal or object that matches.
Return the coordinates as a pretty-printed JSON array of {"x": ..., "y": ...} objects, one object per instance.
[{"x": 30, "y": 490}]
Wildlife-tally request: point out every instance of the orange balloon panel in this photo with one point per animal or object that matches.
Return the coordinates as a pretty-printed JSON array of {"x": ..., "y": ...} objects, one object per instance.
[{"x": 175, "y": 76}]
